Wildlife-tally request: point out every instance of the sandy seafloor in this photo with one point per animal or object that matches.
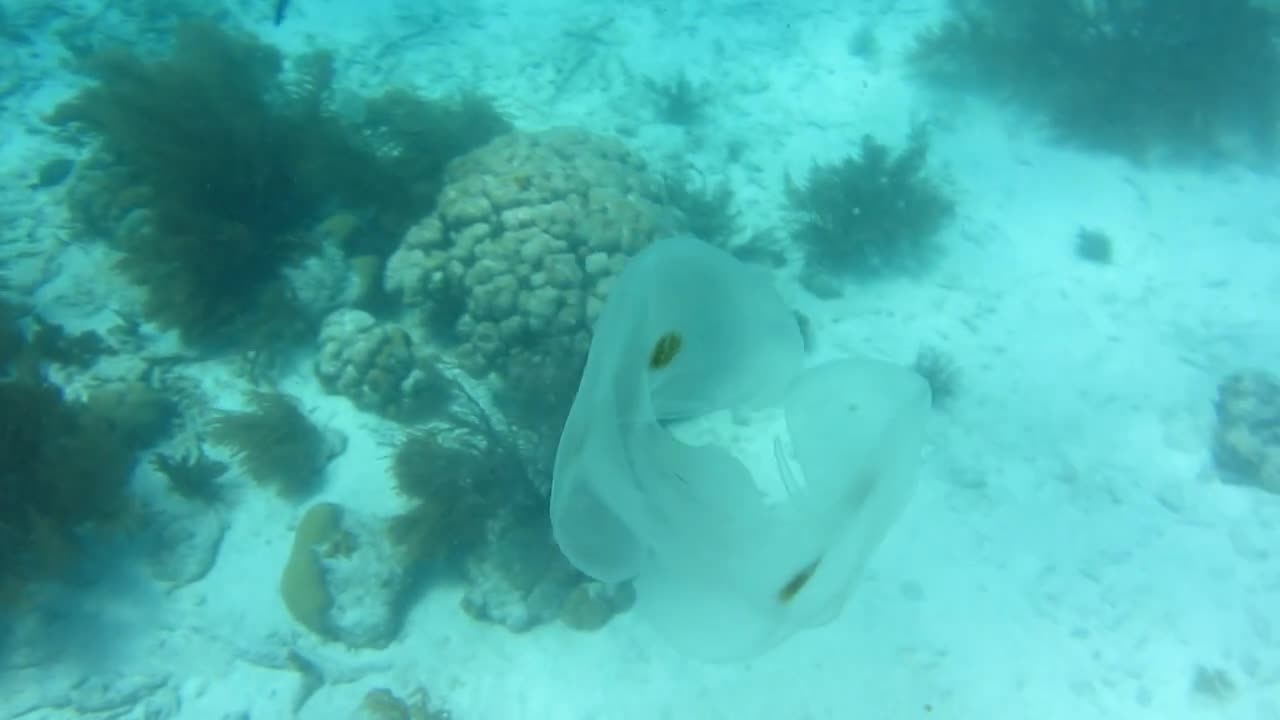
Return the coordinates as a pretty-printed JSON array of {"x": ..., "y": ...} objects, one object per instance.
[{"x": 1071, "y": 551}]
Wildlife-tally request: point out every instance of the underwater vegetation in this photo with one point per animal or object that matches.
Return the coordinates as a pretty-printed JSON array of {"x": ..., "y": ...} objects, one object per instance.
[
  {"x": 535, "y": 397},
  {"x": 704, "y": 210},
  {"x": 870, "y": 213},
  {"x": 12, "y": 339},
  {"x": 193, "y": 476},
  {"x": 679, "y": 101},
  {"x": 135, "y": 413},
  {"x": 280, "y": 10},
  {"x": 940, "y": 371},
  {"x": 235, "y": 156},
  {"x": 25, "y": 351},
  {"x": 400, "y": 147},
  {"x": 460, "y": 472},
  {"x": 64, "y": 470},
  {"x": 1134, "y": 77},
  {"x": 276, "y": 443},
  {"x": 57, "y": 473},
  {"x": 477, "y": 484},
  {"x": 864, "y": 43},
  {"x": 220, "y": 148},
  {"x": 1213, "y": 683},
  {"x": 52, "y": 173}
]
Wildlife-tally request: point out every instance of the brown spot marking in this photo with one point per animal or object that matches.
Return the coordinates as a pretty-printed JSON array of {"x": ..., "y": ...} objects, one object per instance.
[
  {"x": 665, "y": 350},
  {"x": 797, "y": 582}
]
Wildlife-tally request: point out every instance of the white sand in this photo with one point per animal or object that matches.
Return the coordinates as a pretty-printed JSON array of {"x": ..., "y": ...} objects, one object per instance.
[{"x": 1071, "y": 552}]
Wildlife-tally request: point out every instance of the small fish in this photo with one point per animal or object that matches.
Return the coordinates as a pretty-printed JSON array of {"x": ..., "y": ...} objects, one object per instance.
[
  {"x": 665, "y": 350},
  {"x": 282, "y": 7}
]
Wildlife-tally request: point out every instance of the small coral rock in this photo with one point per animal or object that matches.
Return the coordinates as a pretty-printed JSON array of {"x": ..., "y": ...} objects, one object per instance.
[
  {"x": 183, "y": 540},
  {"x": 376, "y": 365},
  {"x": 1247, "y": 438},
  {"x": 345, "y": 579},
  {"x": 591, "y": 605},
  {"x": 382, "y": 704},
  {"x": 518, "y": 579}
]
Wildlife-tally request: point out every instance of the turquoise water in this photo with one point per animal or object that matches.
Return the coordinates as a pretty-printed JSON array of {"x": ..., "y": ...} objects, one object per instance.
[{"x": 670, "y": 360}]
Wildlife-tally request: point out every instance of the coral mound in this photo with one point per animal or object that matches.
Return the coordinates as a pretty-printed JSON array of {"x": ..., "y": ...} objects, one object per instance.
[{"x": 529, "y": 233}]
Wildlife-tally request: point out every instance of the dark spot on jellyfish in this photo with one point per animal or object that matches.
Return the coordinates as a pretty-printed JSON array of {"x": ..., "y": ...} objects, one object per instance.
[
  {"x": 797, "y": 582},
  {"x": 665, "y": 350}
]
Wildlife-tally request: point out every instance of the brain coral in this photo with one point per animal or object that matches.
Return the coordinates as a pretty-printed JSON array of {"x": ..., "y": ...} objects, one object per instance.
[
  {"x": 529, "y": 232},
  {"x": 378, "y": 366}
]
